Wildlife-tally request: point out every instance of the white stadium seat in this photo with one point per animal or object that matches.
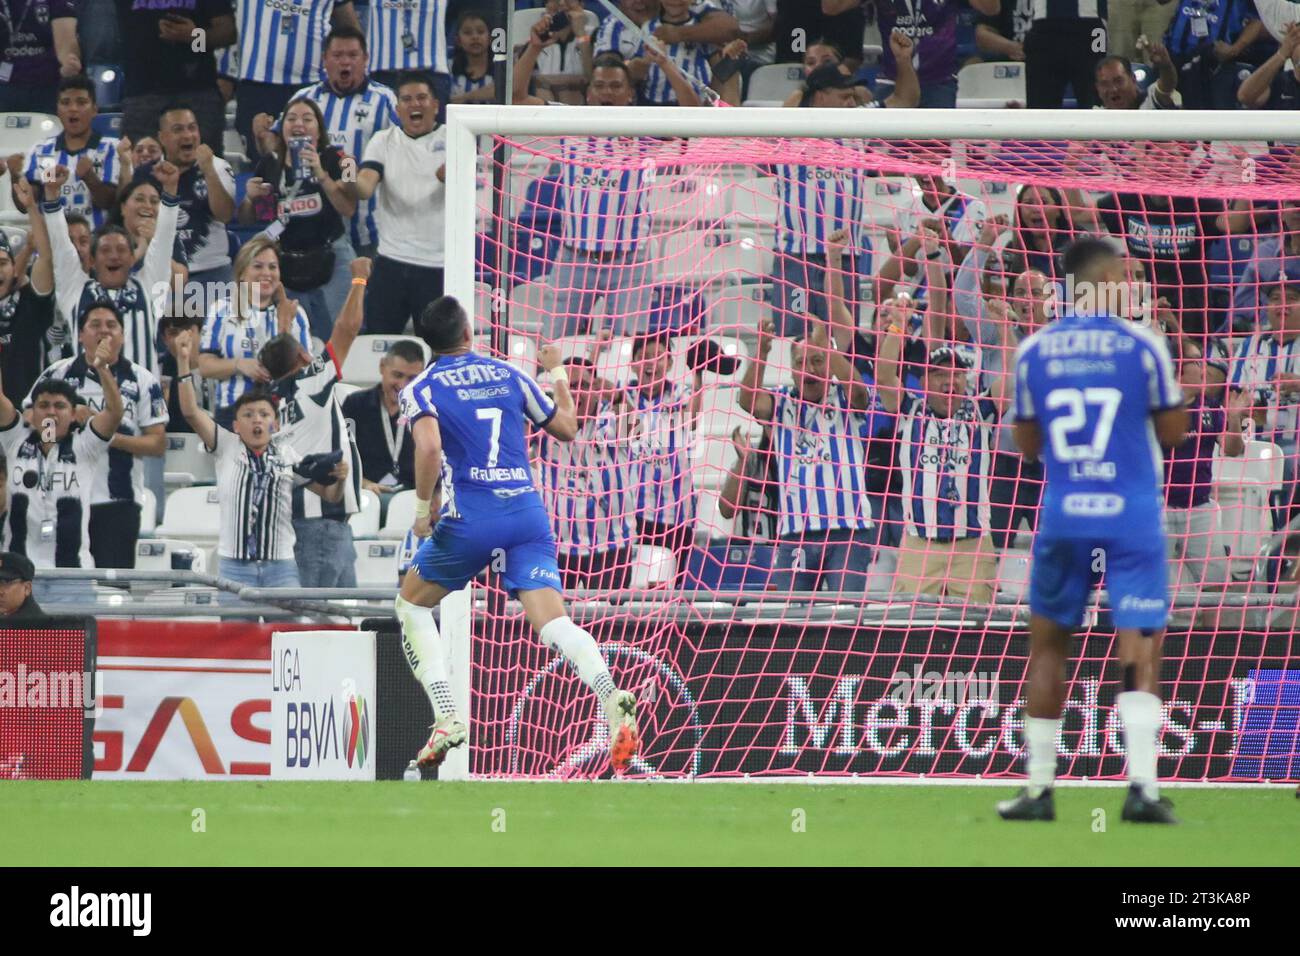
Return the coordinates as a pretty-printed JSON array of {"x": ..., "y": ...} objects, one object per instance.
[
  {"x": 531, "y": 306},
  {"x": 773, "y": 83},
  {"x": 652, "y": 568},
  {"x": 1242, "y": 486},
  {"x": 365, "y": 523},
  {"x": 678, "y": 200},
  {"x": 191, "y": 513},
  {"x": 754, "y": 204},
  {"x": 738, "y": 311},
  {"x": 522, "y": 353},
  {"x": 19, "y": 132},
  {"x": 401, "y": 515},
  {"x": 377, "y": 563},
  {"x": 891, "y": 199},
  {"x": 1013, "y": 573},
  {"x": 148, "y": 512},
  {"x": 186, "y": 462},
  {"x": 990, "y": 85},
  {"x": 711, "y": 256},
  {"x": 155, "y": 554},
  {"x": 343, "y": 389},
  {"x": 362, "y": 365}
]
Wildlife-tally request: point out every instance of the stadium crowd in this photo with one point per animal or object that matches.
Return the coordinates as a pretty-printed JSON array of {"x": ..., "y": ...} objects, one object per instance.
[{"x": 166, "y": 283}]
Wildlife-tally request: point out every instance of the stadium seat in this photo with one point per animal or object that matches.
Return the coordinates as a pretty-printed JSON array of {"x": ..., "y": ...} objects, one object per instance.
[
  {"x": 376, "y": 563},
  {"x": 362, "y": 365},
  {"x": 523, "y": 353},
  {"x": 343, "y": 389},
  {"x": 651, "y": 568},
  {"x": 1243, "y": 487},
  {"x": 186, "y": 462},
  {"x": 401, "y": 515},
  {"x": 107, "y": 78},
  {"x": 711, "y": 256},
  {"x": 365, "y": 523},
  {"x": 191, "y": 513},
  {"x": 708, "y": 519},
  {"x": 532, "y": 305},
  {"x": 1013, "y": 574},
  {"x": 107, "y": 124},
  {"x": 753, "y": 205},
  {"x": 166, "y": 554},
  {"x": 19, "y": 132},
  {"x": 680, "y": 200},
  {"x": 733, "y": 566},
  {"x": 738, "y": 310},
  {"x": 990, "y": 85},
  {"x": 771, "y": 84},
  {"x": 720, "y": 413},
  {"x": 891, "y": 199},
  {"x": 148, "y": 512}
]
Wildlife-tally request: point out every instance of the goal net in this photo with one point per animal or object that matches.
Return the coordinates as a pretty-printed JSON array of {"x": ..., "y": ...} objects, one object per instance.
[{"x": 794, "y": 517}]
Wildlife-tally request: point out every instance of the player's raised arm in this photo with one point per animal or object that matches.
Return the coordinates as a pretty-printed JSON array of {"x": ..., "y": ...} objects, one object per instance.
[{"x": 563, "y": 423}]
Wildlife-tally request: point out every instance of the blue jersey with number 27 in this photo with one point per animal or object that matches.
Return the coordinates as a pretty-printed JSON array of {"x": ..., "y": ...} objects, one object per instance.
[
  {"x": 482, "y": 406},
  {"x": 1092, "y": 384}
]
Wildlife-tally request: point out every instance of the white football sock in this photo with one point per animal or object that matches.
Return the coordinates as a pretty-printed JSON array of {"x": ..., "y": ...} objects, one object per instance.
[
  {"x": 579, "y": 648},
  {"x": 1040, "y": 741},
  {"x": 426, "y": 655},
  {"x": 1140, "y": 713}
]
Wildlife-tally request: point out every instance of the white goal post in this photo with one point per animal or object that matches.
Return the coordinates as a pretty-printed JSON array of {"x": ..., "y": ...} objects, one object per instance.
[{"x": 467, "y": 123}]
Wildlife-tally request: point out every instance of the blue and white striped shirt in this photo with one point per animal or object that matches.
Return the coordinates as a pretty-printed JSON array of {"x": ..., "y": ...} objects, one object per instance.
[
  {"x": 945, "y": 465},
  {"x": 462, "y": 83},
  {"x": 1257, "y": 361},
  {"x": 814, "y": 201},
  {"x": 227, "y": 335},
  {"x": 408, "y": 35},
  {"x": 691, "y": 58},
  {"x": 588, "y": 486},
  {"x": 75, "y": 194},
  {"x": 821, "y": 458},
  {"x": 616, "y": 36},
  {"x": 604, "y": 204},
  {"x": 351, "y": 121},
  {"x": 661, "y": 448},
  {"x": 282, "y": 41}
]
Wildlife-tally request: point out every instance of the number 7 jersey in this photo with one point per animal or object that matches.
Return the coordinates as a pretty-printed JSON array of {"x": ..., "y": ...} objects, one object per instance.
[
  {"x": 1092, "y": 383},
  {"x": 482, "y": 407}
]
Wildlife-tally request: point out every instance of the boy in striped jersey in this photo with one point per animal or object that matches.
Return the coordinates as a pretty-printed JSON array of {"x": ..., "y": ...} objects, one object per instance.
[
  {"x": 119, "y": 482},
  {"x": 588, "y": 484},
  {"x": 140, "y": 298},
  {"x": 91, "y": 189},
  {"x": 693, "y": 35},
  {"x": 256, "y": 477}
]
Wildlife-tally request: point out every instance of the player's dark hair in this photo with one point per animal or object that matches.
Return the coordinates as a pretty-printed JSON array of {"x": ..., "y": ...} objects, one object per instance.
[
  {"x": 442, "y": 324},
  {"x": 110, "y": 229},
  {"x": 406, "y": 350},
  {"x": 99, "y": 305},
  {"x": 1081, "y": 258},
  {"x": 640, "y": 342},
  {"x": 78, "y": 82},
  {"x": 279, "y": 356},
  {"x": 56, "y": 386},
  {"x": 254, "y": 395},
  {"x": 345, "y": 32},
  {"x": 412, "y": 78}
]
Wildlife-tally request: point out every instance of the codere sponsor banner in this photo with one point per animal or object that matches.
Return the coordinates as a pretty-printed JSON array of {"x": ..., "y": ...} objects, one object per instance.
[{"x": 323, "y": 705}]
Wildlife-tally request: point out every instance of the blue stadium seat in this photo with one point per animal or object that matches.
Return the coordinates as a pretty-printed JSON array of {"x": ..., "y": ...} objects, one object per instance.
[
  {"x": 108, "y": 124},
  {"x": 107, "y": 78},
  {"x": 738, "y": 566}
]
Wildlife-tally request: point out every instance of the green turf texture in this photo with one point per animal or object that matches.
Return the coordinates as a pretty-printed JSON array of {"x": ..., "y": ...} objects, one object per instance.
[{"x": 398, "y": 823}]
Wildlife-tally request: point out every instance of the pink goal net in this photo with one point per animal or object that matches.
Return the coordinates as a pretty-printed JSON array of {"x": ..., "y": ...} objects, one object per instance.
[{"x": 794, "y": 516}]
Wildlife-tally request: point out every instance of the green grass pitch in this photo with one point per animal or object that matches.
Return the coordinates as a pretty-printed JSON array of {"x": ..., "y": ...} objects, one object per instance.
[{"x": 398, "y": 823}]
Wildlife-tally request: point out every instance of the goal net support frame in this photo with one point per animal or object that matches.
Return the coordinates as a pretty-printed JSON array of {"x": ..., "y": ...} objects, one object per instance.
[{"x": 466, "y": 124}]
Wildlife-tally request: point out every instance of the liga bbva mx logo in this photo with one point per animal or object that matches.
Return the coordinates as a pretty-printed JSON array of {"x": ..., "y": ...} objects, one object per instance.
[
  {"x": 356, "y": 730},
  {"x": 549, "y": 734}
]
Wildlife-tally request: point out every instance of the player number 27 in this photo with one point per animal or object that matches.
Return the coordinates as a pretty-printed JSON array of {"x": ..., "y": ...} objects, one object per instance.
[
  {"x": 492, "y": 415},
  {"x": 1068, "y": 441}
]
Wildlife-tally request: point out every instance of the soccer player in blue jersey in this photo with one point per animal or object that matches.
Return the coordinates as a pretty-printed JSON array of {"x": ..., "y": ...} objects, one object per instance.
[
  {"x": 1096, "y": 399},
  {"x": 468, "y": 414}
]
